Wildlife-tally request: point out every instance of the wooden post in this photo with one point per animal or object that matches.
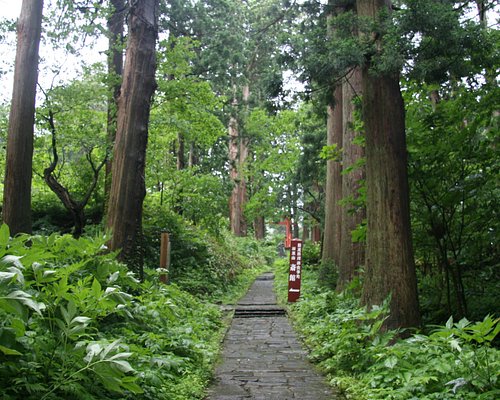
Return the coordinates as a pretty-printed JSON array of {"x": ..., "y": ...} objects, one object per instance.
[{"x": 164, "y": 256}]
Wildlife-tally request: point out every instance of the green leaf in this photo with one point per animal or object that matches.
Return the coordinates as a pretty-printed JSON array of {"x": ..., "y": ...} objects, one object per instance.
[
  {"x": 25, "y": 299},
  {"x": 128, "y": 383},
  {"x": 391, "y": 362},
  {"x": 96, "y": 288},
  {"x": 122, "y": 365},
  {"x": 93, "y": 349},
  {"x": 4, "y": 236},
  {"x": 9, "y": 352}
]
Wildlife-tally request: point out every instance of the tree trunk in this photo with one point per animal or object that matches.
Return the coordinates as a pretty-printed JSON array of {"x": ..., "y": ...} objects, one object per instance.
[
  {"x": 331, "y": 238},
  {"x": 352, "y": 255},
  {"x": 305, "y": 233},
  {"x": 115, "y": 72},
  {"x": 316, "y": 234},
  {"x": 181, "y": 162},
  {"x": 19, "y": 159},
  {"x": 193, "y": 157},
  {"x": 294, "y": 195},
  {"x": 259, "y": 226},
  {"x": 390, "y": 268},
  {"x": 128, "y": 185},
  {"x": 237, "y": 153}
]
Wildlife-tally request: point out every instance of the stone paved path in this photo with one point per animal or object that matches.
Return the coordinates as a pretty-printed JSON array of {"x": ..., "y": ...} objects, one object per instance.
[{"x": 262, "y": 359}]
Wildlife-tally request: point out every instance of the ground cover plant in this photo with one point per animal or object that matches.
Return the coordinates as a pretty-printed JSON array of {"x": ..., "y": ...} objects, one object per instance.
[
  {"x": 457, "y": 360},
  {"x": 76, "y": 323}
]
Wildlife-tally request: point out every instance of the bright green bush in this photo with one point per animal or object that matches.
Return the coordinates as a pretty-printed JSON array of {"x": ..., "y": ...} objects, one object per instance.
[
  {"x": 201, "y": 263},
  {"x": 455, "y": 361},
  {"x": 74, "y": 323},
  {"x": 311, "y": 253}
]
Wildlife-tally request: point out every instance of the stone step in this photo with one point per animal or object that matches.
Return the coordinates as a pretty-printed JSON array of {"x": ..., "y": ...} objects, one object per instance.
[{"x": 258, "y": 311}]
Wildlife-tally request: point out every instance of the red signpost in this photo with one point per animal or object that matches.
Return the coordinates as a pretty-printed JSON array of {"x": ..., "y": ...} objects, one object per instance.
[
  {"x": 295, "y": 273},
  {"x": 288, "y": 232}
]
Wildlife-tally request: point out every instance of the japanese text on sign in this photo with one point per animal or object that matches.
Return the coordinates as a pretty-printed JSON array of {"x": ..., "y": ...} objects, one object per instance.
[{"x": 294, "y": 276}]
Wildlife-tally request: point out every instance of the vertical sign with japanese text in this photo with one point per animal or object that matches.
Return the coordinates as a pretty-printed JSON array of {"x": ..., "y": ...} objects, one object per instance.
[{"x": 295, "y": 273}]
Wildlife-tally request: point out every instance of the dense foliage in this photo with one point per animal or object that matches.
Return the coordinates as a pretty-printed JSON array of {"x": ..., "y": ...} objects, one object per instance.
[
  {"x": 76, "y": 323},
  {"x": 456, "y": 360}
]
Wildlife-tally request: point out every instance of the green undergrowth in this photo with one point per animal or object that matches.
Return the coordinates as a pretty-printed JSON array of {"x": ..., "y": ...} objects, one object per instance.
[
  {"x": 203, "y": 263},
  {"x": 454, "y": 361},
  {"x": 74, "y": 323}
]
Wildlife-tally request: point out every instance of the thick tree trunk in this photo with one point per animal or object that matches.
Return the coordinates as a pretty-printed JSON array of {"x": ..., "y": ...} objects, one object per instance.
[
  {"x": 390, "y": 268},
  {"x": 128, "y": 185},
  {"x": 331, "y": 238},
  {"x": 352, "y": 255},
  {"x": 115, "y": 72},
  {"x": 17, "y": 186}
]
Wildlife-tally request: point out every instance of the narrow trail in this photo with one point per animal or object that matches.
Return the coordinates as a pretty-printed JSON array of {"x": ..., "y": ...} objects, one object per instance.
[{"x": 262, "y": 359}]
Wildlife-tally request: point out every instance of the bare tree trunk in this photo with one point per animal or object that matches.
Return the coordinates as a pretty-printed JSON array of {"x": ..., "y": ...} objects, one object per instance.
[
  {"x": 294, "y": 195},
  {"x": 305, "y": 232},
  {"x": 331, "y": 238},
  {"x": 181, "y": 162},
  {"x": 115, "y": 72},
  {"x": 193, "y": 157},
  {"x": 259, "y": 226},
  {"x": 128, "y": 185},
  {"x": 352, "y": 255},
  {"x": 237, "y": 153},
  {"x": 18, "y": 172},
  {"x": 390, "y": 268}
]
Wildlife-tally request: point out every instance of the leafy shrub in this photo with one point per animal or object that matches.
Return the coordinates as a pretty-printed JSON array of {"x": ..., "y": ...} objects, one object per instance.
[
  {"x": 311, "y": 253},
  {"x": 456, "y": 360},
  {"x": 200, "y": 263},
  {"x": 76, "y": 324}
]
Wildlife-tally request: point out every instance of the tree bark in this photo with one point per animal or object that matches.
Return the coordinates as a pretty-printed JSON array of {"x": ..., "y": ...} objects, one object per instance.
[
  {"x": 390, "y": 268},
  {"x": 333, "y": 189},
  {"x": 259, "y": 226},
  {"x": 18, "y": 172},
  {"x": 352, "y": 255},
  {"x": 237, "y": 153},
  {"x": 115, "y": 72},
  {"x": 181, "y": 162},
  {"x": 193, "y": 156},
  {"x": 128, "y": 184}
]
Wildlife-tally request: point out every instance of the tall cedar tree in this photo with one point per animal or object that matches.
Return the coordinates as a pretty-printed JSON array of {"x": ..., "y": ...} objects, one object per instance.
[
  {"x": 237, "y": 155},
  {"x": 17, "y": 189},
  {"x": 333, "y": 189},
  {"x": 115, "y": 70},
  {"x": 390, "y": 267},
  {"x": 128, "y": 185},
  {"x": 352, "y": 255}
]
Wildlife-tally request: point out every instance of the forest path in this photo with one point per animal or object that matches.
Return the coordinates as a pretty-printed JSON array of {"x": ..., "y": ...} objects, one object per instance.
[{"x": 262, "y": 359}]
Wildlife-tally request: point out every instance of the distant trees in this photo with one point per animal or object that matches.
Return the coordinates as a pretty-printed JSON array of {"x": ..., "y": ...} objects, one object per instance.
[{"x": 17, "y": 188}]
